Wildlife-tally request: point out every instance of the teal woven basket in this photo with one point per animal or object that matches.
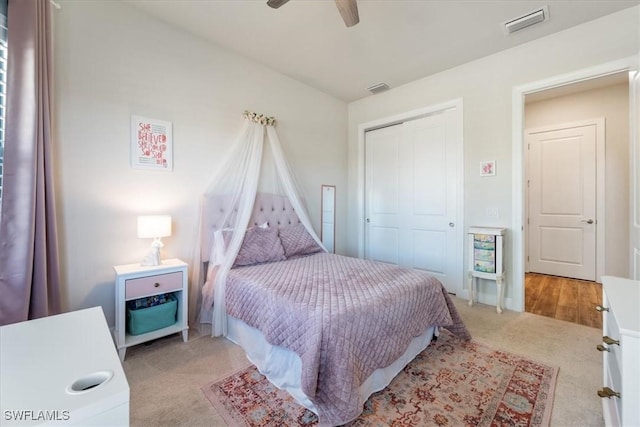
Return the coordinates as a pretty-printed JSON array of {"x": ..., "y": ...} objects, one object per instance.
[{"x": 143, "y": 320}]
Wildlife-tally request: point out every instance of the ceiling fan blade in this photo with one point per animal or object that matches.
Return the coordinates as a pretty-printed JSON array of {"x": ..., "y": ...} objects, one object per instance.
[
  {"x": 276, "y": 3},
  {"x": 349, "y": 11}
]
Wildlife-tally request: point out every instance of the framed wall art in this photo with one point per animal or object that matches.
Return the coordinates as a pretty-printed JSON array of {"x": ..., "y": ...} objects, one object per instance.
[
  {"x": 488, "y": 168},
  {"x": 151, "y": 144}
]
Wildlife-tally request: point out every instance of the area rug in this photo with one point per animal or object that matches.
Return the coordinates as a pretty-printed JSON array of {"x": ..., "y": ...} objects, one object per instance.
[{"x": 451, "y": 383}]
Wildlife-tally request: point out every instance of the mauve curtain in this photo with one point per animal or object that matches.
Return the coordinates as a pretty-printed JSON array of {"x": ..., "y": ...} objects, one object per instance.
[{"x": 29, "y": 268}]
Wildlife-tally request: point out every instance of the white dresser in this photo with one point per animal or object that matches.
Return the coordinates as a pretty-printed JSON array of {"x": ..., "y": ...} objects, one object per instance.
[
  {"x": 62, "y": 370},
  {"x": 621, "y": 351}
]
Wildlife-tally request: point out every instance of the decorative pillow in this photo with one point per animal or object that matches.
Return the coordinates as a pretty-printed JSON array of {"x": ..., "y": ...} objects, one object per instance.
[
  {"x": 297, "y": 241},
  {"x": 260, "y": 245}
]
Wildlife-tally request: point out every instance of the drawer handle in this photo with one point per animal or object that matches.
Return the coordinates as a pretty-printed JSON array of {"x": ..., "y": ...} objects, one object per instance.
[
  {"x": 156, "y": 285},
  {"x": 608, "y": 393},
  {"x": 601, "y": 308},
  {"x": 610, "y": 341},
  {"x": 600, "y": 347}
]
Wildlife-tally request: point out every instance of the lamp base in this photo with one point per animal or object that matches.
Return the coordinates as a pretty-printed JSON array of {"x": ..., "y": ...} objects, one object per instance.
[
  {"x": 153, "y": 257},
  {"x": 150, "y": 260}
]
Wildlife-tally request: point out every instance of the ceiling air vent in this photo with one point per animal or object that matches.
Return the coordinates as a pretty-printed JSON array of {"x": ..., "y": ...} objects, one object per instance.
[
  {"x": 524, "y": 21},
  {"x": 380, "y": 87}
]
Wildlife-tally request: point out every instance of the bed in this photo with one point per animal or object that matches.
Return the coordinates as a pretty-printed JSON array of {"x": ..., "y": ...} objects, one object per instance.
[{"x": 329, "y": 329}]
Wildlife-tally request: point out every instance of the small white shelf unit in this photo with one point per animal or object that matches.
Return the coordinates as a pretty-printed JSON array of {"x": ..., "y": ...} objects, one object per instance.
[{"x": 486, "y": 260}]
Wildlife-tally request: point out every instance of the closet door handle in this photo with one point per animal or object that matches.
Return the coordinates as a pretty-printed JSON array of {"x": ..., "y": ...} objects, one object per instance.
[{"x": 588, "y": 221}]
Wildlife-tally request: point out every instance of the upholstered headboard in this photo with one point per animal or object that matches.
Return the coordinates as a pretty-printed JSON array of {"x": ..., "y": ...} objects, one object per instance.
[{"x": 271, "y": 208}]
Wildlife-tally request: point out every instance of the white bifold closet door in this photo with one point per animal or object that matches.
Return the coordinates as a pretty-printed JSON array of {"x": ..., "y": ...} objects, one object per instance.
[{"x": 411, "y": 176}]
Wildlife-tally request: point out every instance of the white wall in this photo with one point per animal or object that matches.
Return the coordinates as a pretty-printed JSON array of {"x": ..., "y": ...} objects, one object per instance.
[
  {"x": 111, "y": 62},
  {"x": 612, "y": 103},
  {"x": 486, "y": 87}
]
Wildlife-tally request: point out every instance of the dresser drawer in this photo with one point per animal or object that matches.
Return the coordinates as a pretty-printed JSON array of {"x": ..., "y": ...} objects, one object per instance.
[
  {"x": 151, "y": 285},
  {"x": 612, "y": 408},
  {"x": 611, "y": 329}
]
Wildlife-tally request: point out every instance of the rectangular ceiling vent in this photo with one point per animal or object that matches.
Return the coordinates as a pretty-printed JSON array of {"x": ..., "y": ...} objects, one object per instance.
[
  {"x": 527, "y": 20},
  {"x": 380, "y": 87}
]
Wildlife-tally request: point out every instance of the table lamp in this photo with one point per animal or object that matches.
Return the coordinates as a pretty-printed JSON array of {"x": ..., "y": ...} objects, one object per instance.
[{"x": 154, "y": 227}]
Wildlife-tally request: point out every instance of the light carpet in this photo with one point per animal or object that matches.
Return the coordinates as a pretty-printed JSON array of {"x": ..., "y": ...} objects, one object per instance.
[{"x": 451, "y": 383}]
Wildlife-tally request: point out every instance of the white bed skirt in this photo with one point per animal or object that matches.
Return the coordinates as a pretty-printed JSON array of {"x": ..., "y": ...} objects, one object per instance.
[{"x": 283, "y": 367}]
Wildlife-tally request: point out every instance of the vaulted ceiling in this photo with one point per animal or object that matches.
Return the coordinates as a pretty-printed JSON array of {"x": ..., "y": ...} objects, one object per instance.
[{"x": 396, "y": 41}]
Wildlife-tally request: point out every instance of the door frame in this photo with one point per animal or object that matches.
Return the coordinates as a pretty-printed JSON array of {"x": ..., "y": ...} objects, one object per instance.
[
  {"x": 600, "y": 186},
  {"x": 457, "y": 106},
  {"x": 518, "y": 183}
]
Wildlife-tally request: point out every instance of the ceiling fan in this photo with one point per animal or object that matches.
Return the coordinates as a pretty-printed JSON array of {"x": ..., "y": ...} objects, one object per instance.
[{"x": 347, "y": 8}]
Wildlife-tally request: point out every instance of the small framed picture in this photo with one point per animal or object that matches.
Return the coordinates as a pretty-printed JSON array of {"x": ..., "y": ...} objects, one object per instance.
[
  {"x": 151, "y": 144},
  {"x": 488, "y": 168}
]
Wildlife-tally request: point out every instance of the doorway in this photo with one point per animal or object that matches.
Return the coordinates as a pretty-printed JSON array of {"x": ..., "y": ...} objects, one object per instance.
[{"x": 558, "y": 241}]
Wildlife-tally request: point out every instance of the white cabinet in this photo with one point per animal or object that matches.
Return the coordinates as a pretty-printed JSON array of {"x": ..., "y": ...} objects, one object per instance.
[
  {"x": 62, "y": 370},
  {"x": 621, "y": 351},
  {"x": 134, "y": 281},
  {"x": 486, "y": 260}
]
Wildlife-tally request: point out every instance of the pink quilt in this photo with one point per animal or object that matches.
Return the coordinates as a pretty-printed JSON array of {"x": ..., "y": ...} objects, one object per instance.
[{"x": 345, "y": 317}]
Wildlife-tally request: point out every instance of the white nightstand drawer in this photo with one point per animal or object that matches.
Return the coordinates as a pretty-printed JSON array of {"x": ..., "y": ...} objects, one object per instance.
[{"x": 150, "y": 285}]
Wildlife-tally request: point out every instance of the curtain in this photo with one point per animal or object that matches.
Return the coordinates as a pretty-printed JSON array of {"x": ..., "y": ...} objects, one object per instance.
[{"x": 29, "y": 267}]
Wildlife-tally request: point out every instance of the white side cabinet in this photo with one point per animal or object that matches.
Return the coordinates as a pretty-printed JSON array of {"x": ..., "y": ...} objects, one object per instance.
[
  {"x": 621, "y": 351},
  {"x": 134, "y": 281}
]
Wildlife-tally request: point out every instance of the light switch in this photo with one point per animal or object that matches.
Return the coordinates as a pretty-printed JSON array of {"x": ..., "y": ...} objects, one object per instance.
[{"x": 492, "y": 213}]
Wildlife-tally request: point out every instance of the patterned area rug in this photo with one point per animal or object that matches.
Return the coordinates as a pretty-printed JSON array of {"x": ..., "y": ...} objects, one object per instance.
[{"x": 451, "y": 383}]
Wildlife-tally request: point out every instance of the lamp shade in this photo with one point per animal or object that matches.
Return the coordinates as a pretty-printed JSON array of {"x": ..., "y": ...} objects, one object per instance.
[{"x": 152, "y": 226}]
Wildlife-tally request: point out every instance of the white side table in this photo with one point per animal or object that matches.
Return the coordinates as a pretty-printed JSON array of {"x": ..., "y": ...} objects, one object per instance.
[
  {"x": 134, "y": 281},
  {"x": 62, "y": 370},
  {"x": 486, "y": 252}
]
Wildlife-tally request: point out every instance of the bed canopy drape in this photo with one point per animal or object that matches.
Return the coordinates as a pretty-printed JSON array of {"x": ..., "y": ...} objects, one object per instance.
[{"x": 248, "y": 169}]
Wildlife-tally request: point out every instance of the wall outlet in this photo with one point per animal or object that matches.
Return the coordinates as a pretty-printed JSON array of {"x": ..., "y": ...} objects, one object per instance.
[{"x": 492, "y": 213}]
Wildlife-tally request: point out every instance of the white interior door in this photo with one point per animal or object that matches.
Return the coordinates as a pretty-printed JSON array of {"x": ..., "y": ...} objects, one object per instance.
[
  {"x": 562, "y": 200},
  {"x": 411, "y": 184}
]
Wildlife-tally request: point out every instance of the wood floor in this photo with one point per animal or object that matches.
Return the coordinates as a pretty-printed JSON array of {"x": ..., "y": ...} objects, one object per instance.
[{"x": 563, "y": 299}]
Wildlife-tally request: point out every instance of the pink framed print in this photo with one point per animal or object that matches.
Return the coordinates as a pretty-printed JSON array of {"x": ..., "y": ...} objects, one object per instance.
[
  {"x": 151, "y": 144},
  {"x": 488, "y": 168}
]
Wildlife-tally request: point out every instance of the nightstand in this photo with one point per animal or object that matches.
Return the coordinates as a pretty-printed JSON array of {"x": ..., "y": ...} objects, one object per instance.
[{"x": 134, "y": 281}]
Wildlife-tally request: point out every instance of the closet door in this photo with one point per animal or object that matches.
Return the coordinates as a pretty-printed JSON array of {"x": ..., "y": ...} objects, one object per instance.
[{"x": 411, "y": 184}]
